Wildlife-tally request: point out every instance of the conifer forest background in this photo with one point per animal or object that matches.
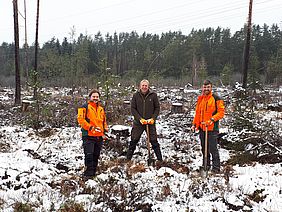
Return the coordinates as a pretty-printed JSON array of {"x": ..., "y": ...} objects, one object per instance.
[{"x": 172, "y": 57}]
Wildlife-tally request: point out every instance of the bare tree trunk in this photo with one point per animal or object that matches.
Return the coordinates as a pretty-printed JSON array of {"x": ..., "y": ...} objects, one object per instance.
[
  {"x": 17, "y": 59},
  {"x": 194, "y": 71},
  {"x": 26, "y": 45},
  {"x": 36, "y": 55},
  {"x": 247, "y": 47}
]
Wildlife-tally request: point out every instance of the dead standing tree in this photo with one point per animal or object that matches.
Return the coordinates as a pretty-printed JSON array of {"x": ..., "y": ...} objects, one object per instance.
[
  {"x": 247, "y": 47},
  {"x": 17, "y": 59},
  {"x": 25, "y": 45},
  {"x": 35, "y": 75}
]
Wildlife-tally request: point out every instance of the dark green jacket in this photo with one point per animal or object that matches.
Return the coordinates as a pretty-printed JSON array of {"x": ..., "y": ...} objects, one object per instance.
[{"x": 145, "y": 106}]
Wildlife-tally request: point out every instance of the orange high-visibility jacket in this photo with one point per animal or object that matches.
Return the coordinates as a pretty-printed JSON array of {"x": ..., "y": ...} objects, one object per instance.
[
  {"x": 92, "y": 115},
  {"x": 208, "y": 107}
]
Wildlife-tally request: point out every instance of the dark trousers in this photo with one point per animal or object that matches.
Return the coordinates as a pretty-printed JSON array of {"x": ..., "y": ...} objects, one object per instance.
[
  {"x": 92, "y": 148},
  {"x": 212, "y": 149},
  {"x": 136, "y": 133}
]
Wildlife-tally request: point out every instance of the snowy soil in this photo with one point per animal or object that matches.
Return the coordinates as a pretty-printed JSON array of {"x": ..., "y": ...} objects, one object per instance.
[{"x": 43, "y": 170}]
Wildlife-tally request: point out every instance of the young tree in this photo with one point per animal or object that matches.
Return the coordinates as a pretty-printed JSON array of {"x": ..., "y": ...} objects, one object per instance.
[
  {"x": 202, "y": 70},
  {"x": 225, "y": 75}
]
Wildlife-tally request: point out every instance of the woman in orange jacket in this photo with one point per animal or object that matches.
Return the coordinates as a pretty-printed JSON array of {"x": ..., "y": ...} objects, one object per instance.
[
  {"x": 92, "y": 119},
  {"x": 209, "y": 110}
]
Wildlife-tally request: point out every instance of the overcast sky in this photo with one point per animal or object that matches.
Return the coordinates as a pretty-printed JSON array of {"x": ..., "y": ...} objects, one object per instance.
[{"x": 57, "y": 17}]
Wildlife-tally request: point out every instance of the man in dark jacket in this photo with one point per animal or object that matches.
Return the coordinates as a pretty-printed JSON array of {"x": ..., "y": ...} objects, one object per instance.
[{"x": 145, "y": 108}]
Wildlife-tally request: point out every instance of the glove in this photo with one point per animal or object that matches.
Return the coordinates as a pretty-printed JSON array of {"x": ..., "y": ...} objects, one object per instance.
[
  {"x": 105, "y": 138},
  {"x": 151, "y": 121},
  {"x": 143, "y": 121},
  {"x": 193, "y": 128},
  {"x": 95, "y": 129},
  {"x": 209, "y": 122}
]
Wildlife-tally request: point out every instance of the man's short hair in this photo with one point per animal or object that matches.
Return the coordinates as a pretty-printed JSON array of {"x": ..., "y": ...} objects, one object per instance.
[
  {"x": 207, "y": 82},
  {"x": 144, "y": 80},
  {"x": 94, "y": 91}
]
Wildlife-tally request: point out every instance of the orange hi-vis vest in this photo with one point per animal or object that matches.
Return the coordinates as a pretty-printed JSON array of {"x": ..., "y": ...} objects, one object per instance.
[
  {"x": 209, "y": 107},
  {"x": 92, "y": 115}
]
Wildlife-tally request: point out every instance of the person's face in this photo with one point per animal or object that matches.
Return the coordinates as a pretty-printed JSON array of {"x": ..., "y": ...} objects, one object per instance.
[
  {"x": 144, "y": 87},
  {"x": 207, "y": 89},
  {"x": 94, "y": 97}
]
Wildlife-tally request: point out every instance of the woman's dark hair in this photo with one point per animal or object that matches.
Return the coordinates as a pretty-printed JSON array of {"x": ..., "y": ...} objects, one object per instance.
[{"x": 94, "y": 91}]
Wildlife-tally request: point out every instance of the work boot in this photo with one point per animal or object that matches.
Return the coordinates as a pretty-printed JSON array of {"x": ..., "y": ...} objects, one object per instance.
[
  {"x": 131, "y": 149},
  {"x": 215, "y": 170},
  {"x": 160, "y": 163},
  {"x": 88, "y": 177},
  {"x": 158, "y": 154},
  {"x": 129, "y": 154},
  {"x": 157, "y": 150}
]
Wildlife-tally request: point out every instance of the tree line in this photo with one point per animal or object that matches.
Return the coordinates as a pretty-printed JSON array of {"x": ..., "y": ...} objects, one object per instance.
[{"x": 172, "y": 55}]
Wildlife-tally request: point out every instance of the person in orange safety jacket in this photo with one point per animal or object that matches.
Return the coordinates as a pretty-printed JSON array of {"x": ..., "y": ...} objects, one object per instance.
[
  {"x": 209, "y": 110},
  {"x": 92, "y": 119}
]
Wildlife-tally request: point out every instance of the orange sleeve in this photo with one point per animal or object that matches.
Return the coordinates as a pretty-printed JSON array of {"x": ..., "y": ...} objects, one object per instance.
[
  {"x": 220, "y": 110},
  {"x": 196, "y": 120},
  {"x": 81, "y": 119},
  {"x": 105, "y": 122}
]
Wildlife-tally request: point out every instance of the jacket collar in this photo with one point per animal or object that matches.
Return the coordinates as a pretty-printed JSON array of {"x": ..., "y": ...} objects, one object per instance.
[
  {"x": 93, "y": 104},
  {"x": 207, "y": 96},
  {"x": 146, "y": 94}
]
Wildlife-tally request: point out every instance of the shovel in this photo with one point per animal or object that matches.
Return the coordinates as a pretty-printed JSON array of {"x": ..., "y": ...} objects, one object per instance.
[
  {"x": 150, "y": 160},
  {"x": 204, "y": 170}
]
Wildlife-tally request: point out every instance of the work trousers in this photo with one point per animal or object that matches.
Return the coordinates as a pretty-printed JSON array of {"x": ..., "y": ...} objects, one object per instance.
[
  {"x": 92, "y": 148},
  {"x": 136, "y": 133},
  {"x": 212, "y": 149}
]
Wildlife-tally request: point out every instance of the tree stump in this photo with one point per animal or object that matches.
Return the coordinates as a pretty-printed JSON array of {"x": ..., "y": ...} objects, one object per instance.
[
  {"x": 126, "y": 103},
  {"x": 120, "y": 131},
  {"x": 177, "y": 107},
  {"x": 25, "y": 105}
]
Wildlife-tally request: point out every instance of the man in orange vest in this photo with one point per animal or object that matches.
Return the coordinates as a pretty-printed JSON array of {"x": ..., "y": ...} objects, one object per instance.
[
  {"x": 209, "y": 110},
  {"x": 92, "y": 119}
]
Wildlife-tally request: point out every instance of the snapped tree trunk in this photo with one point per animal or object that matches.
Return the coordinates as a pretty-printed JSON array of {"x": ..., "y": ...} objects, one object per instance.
[{"x": 247, "y": 47}]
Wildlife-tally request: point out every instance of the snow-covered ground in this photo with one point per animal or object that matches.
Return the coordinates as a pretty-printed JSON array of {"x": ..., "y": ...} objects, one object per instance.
[{"x": 42, "y": 169}]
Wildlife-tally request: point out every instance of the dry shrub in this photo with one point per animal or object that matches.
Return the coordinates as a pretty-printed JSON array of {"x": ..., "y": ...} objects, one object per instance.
[
  {"x": 1, "y": 203},
  {"x": 23, "y": 207},
  {"x": 257, "y": 195},
  {"x": 131, "y": 170},
  {"x": 71, "y": 206},
  {"x": 118, "y": 147},
  {"x": 115, "y": 165},
  {"x": 46, "y": 132},
  {"x": 180, "y": 168},
  {"x": 165, "y": 106},
  {"x": 4, "y": 147},
  {"x": 67, "y": 186},
  {"x": 166, "y": 191}
]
